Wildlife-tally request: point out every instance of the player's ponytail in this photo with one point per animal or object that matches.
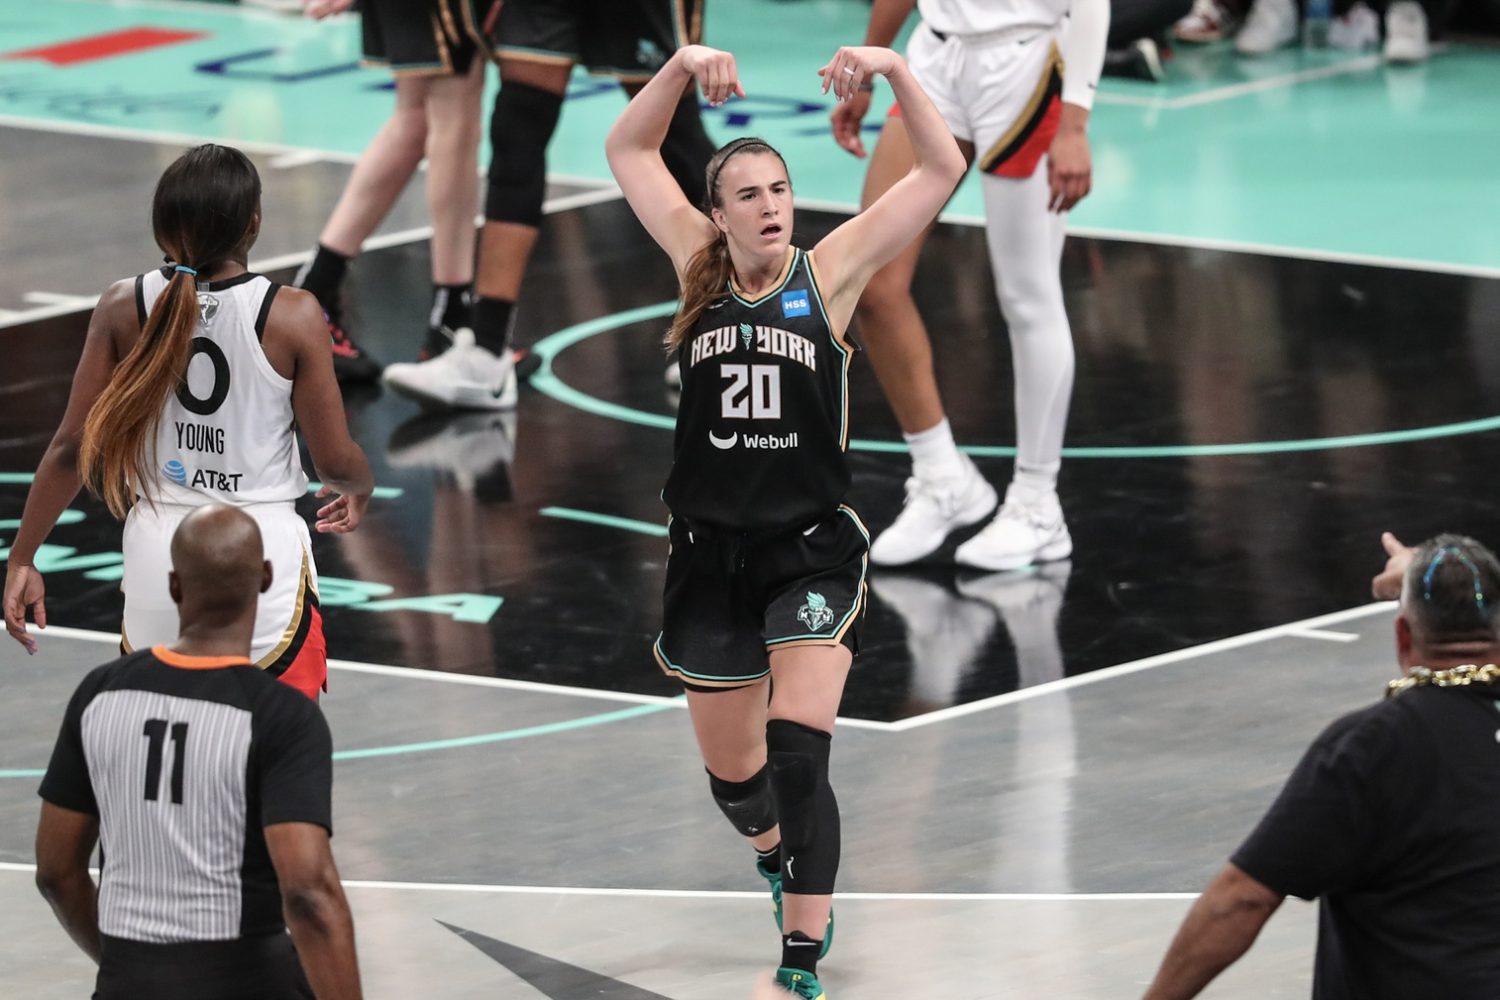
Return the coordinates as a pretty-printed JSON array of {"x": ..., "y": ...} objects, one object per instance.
[
  {"x": 205, "y": 208},
  {"x": 706, "y": 278}
]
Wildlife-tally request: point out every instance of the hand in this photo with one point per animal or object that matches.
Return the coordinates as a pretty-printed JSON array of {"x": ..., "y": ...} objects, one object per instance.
[
  {"x": 848, "y": 117},
  {"x": 1387, "y": 583},
  {"x": 715, "y": 71},
  {"x": 1070, "y": 169},
  {"x": 852, "y": 66},
  {"x": 24, "y": 590},
  {"x": 343, "y": 515},
  {"x": 319, "y": 9}
]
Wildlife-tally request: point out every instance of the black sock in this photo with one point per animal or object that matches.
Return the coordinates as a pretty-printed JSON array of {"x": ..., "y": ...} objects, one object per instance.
[
  {"x": 769, "y": 861},
  {"x": 492, "y": 319},
  {"x": 322, "y": 276},
  {"x": 798, "y": 951},
  {"x": 452, "y": 306}
]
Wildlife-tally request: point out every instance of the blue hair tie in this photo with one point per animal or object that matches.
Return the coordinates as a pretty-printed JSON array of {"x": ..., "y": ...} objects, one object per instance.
[
  {"x": 187, "y": 270},
  {"x": 1469, "y": 563}
]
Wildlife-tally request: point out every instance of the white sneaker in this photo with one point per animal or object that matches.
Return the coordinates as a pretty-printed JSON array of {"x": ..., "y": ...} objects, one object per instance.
[
  {"x": 1208, "y": 21},
  {"x": 464, "y": 377},
  {"x": 1358, "y": 29},
  {"x": 467, "y": 448},
  {"x": 1021, "y": 534},
  {"x": 933, "y": 510},
  {"x": 1271, "y": 25},
  {"x": 1406, "y": 32}
]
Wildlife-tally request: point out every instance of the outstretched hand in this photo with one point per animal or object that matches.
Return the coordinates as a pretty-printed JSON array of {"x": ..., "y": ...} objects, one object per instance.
[
  {"x": 24, "y": 591},
  {"x": 343, "y": 515},
  {"x": 1386, "y": 586},
  {"x": 854, "y": 65},
  {"x": 715, "y": 71}
]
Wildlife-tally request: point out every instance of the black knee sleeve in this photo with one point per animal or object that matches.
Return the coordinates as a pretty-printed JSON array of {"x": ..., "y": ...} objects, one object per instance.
[
  {"x": 520, "y": 128},
  {"x": 748, "y": 805},
  {"x": 809, "y": 812},
  {"x": 687, "y": 149}
]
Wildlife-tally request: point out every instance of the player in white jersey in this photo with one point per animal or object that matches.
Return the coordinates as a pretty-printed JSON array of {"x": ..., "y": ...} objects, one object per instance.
[
  {"x": 192, "y": 381},
  {"x": 995, "y": 70}
]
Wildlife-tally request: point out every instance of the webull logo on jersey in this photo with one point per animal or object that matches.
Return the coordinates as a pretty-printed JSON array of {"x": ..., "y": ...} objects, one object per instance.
[
  {"x": 795, "y": 303},
  {"x": 815, "y": 614},
  {"x": 757, "y": 442},
  {"x": 208, "y": 307}
]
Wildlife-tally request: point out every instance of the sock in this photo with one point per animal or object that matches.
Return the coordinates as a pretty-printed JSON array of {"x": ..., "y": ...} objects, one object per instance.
[
  {"x": 452, "y": 306},
  {"x": 1034, "y": 482},
  {"x": 492, "y": 320},
  {"x": 769, "y": 861},
  {"x": 798, "y": 951},
  {"x": 933, "y": 453},
  {"x": 322, "y": 276}
]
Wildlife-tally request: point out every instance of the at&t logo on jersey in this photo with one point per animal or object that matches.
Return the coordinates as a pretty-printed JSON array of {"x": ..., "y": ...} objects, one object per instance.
[
  {"x": 795, "y": 303},
  {"x": 176, "y": 472},
  {"x": 815, "y": 614}
]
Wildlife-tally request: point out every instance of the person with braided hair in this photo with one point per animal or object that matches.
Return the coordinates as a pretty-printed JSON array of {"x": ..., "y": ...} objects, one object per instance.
[
  {"x": 766, "y": 569},
  {"x": 1391, "y": 817},
  {"x": 192, "y": 381}
]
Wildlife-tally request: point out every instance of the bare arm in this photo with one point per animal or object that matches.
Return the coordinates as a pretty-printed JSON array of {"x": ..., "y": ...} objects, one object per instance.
[
  {"x": 64, "y": 842},
  {"x": 634, "y": 149},
  {"x": 1220, "y": 927},
  {"x": 315, "y": 909},
  {"x": 1070, "y": 164},
  {"x": 886, "y": 19},
  {"x": 297, "y": 319},
  {"x": 849, "y": 255},
  {"x": 57, "y": 481}
]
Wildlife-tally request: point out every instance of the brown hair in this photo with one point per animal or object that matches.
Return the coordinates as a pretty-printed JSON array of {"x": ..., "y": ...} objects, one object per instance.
[
  {"x": 201, "y": 213},
  {"x": 709, "y": 270}
]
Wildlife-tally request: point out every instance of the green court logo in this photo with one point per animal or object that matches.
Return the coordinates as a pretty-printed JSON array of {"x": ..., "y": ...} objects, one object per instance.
[
  {"x": 815, "y": 614},
  {"x": 747, "y": 334}
]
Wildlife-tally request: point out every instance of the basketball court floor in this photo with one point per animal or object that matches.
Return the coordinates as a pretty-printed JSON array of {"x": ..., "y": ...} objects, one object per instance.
[{"x": 1285, "y": 295}]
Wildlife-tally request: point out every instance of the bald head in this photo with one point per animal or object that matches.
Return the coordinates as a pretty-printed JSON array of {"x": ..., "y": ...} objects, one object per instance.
[{"x": 218, "y": 567}]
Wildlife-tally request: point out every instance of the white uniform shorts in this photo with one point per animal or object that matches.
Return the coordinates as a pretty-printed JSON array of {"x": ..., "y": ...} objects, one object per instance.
[
  {"x": 288, "y": 640},
  {"x": 1001, "y": 90}
]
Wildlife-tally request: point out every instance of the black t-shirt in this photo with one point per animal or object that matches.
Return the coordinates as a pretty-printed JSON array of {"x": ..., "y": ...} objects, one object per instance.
[
  {"x": 764, "y": 416},
  {"x": 1392, "y": 818},
  {"x": 185, "y": 760}
]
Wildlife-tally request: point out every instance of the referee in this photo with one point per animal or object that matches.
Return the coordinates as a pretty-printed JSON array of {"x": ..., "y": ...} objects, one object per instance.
[{"x": 208, "y": 786}]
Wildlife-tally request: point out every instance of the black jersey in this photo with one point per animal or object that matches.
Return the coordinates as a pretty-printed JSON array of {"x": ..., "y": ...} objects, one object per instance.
[
  {"x": 764, "y": 416},
  {"x": 185, "y": 760}
]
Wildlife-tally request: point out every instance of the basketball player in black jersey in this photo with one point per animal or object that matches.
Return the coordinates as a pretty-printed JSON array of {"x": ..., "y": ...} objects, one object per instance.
[
  {"x": 765, "y": 576},
  {"x": 208, "y": 785}
]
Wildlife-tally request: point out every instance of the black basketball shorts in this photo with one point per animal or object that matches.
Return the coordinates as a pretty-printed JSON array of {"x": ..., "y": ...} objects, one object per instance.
[
  {"x": 628, "y": 39},
  {"x": 730, "y": 603},
  {"x": 259, "y": 968},
  {"x": 425, "y": 37}
]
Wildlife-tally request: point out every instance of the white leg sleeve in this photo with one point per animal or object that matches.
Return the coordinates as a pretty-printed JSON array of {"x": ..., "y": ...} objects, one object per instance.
[{"x": 1025, "y": 242}]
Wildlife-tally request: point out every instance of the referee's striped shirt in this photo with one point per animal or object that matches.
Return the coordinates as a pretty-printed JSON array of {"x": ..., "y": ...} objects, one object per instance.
[{"x": 185, "y": 760}]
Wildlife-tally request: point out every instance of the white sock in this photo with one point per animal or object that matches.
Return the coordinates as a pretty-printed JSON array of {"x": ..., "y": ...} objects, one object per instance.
[
  {"x": 933, "y": 454},
  {"x": 1033, "y": 483}
]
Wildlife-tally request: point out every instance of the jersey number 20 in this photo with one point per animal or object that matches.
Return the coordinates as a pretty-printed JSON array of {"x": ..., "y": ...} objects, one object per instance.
[{"x": 753, "y": 392}]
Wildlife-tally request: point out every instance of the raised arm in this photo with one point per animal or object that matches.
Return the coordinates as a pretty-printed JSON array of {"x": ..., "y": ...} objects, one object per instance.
[
  {"x": 319, "y": 407},
  {"x": 57, "y": 482},
  {"x": 848, "y": 256},
  {"x": 886, "y": 19},
  {"x": 634, "y": 149}
]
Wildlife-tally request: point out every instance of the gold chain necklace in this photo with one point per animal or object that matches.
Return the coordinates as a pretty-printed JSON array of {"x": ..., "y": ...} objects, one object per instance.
[{"x": 1461, "y": 676}]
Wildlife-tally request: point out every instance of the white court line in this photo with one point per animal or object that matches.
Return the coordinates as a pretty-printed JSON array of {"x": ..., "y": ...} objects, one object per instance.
[
  {"x": 1233, "y": 91},
  {"x": 1322, "y": 634},
  {"x": 472, "y": 680},
  {"x": 1109, "y": 673},
  {"x": 68, "y": 305},
  {"x": 573, "y": 890},
  {"x": 1205, "y": 243}
]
